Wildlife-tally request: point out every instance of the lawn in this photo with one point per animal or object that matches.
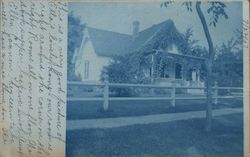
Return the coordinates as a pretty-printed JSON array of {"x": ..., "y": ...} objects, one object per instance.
[
  {"x": 92, "y": 109},
  {"x": 179, "y": 138}
]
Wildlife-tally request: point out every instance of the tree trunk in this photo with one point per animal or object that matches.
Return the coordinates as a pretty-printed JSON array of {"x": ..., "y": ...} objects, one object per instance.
[{"x": 209, "y": 62}]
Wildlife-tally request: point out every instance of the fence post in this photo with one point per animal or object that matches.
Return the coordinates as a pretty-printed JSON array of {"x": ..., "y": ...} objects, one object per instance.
[
  {"x": 106, "y": 95},
  {"x": 215, "y": 93},
  {"x": 173, "y": 95}
]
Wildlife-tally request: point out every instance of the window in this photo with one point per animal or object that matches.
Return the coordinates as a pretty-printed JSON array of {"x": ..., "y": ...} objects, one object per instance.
[
  {"x": 86, "y": 70},
  {"x": 164, "y": 73}
]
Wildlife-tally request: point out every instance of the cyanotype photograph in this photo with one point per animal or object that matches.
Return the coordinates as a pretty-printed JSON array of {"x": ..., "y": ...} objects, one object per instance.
[{"x": 155, "y": 79}]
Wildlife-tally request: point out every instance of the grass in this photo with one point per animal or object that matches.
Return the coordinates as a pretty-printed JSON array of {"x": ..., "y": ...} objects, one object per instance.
[
  {"x": 92, "y": 109},
  {"x": 179, "y": 138}
]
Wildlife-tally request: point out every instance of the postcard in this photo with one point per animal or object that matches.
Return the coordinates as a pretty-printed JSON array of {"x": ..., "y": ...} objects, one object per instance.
[{"x": 124, "y": 78}]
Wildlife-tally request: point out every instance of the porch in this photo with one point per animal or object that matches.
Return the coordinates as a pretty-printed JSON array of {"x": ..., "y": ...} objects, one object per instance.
[
  {"x": 181, "y": 83},
  {"x": 170, "y": 69}
]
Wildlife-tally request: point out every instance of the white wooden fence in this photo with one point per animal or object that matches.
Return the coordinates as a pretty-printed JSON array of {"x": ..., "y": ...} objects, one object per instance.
[{"x": 106, "y": 98}]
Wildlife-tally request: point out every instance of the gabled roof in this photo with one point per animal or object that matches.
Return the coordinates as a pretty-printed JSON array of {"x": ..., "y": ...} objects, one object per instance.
[
  {"x": 147, "y": 34},
  {"x": 108, "y": 43}
]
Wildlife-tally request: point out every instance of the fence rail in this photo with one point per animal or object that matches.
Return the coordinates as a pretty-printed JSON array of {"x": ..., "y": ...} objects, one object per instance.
[
  {"x": 144, "y": 85},
  {"x": 106, "y": 98}
]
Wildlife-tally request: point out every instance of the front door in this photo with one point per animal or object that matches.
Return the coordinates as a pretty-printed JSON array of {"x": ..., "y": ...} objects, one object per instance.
[{"x": 178, "y": 71}]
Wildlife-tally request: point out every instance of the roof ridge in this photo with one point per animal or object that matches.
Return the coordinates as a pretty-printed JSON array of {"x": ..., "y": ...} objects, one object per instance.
[{"x": 154, "y": 25}]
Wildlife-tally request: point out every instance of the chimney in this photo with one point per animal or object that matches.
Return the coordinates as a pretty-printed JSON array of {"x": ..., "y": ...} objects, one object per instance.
[{"x": 136, "y": 25}]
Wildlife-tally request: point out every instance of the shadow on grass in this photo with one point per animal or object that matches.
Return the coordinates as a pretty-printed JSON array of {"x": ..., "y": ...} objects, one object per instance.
[
  {"x": 180, "y": 138},
  {"x": 92, "y": 109}
]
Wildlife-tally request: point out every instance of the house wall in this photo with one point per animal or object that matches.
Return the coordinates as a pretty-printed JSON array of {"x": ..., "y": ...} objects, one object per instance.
[{"x": 96, "y": 63}]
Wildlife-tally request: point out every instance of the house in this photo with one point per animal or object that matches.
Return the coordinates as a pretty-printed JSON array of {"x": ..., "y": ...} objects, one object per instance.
[{"x": 98, "y": 46}]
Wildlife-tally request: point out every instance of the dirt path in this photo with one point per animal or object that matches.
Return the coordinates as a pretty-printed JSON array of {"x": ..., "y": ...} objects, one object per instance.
[{"x": 148, "y": 119}]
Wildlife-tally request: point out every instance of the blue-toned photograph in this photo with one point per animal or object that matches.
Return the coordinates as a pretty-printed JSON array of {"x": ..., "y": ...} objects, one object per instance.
[{"x": 155, "y": 79}]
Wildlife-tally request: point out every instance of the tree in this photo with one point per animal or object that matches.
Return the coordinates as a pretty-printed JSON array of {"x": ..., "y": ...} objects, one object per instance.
[
  {"x": 217, "y": 10},
  {"x": 193, "y": 48},
  {"x": 124, "y": 69},
  {"x": 191, "y": 43},
  {"x": 75, "y": 34},
  {"x": 228, "y": 65}
]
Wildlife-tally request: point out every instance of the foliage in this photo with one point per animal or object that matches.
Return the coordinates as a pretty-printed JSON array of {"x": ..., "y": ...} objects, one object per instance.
[
  {"x": 188, "y": 37},
  {"x": 119, "y": 71},
  {"x": 228, "y": 65},
  {"x": 216, "y": 9},
  {"x": 124, "y": 69},
  {"x": 167, "y": 35},
  {"x": 75, "y": 34},
  {"x": 133, "y": 63},
  {"x": 193, "y": 48}
]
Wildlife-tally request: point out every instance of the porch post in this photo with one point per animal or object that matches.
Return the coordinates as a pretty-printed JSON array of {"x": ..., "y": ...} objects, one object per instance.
[
  {"x": 198, "y": 75},
  {"x": 152, "y": 68},
  {"x": 194, "y": 73}
]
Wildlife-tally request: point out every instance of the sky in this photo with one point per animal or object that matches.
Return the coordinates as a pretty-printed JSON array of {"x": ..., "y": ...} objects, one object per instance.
[{"x": 119, "y": 16}]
